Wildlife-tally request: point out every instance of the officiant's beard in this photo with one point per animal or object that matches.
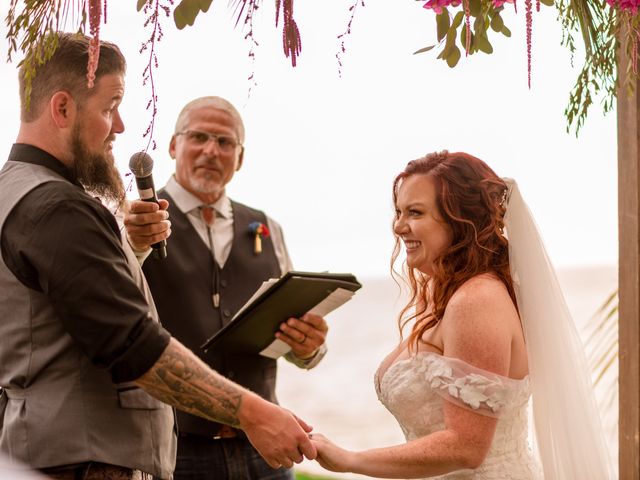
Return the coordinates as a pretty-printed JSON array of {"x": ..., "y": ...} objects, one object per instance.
[{"x": 96, "y": 172}]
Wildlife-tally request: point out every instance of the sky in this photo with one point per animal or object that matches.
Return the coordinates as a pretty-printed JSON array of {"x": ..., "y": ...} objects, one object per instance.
[{"x": 324, "y": 144}]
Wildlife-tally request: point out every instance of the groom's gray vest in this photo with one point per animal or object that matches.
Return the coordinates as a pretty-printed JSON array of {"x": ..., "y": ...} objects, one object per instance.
[{"x": 57, "y": 408}]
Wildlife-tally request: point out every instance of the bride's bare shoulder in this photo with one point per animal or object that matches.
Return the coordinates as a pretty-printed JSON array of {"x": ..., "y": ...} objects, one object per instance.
[
  {"x": 484, "y": 290},
  {"x": 479, "y": 322}
]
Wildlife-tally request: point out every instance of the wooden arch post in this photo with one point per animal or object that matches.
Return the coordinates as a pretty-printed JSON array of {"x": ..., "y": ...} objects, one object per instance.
[{"x": 629, "y": 273}]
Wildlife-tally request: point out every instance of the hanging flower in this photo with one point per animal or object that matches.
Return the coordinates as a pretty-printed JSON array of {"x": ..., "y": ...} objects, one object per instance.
[
  {"x": 260, "y": 231},
  {"x": 630, "y": 6},
  {"x": 437, "y": 5},
  {"x": 477, "y": 21},
  {"x": 95, "y": 15}
]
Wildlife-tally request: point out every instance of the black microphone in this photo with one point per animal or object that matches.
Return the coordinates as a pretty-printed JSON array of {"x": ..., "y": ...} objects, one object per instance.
[{"x": 141, "y": 165}]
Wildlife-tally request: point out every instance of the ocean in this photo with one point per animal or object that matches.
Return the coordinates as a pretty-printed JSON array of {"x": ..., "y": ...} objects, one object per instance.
[{"x": 338, "y": 398}]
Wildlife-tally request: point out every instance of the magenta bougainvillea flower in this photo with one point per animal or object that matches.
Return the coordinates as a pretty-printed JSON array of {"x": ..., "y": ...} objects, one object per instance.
[
  {"x": 438, "y": 5},
  {"x": 625, "y": 5}
]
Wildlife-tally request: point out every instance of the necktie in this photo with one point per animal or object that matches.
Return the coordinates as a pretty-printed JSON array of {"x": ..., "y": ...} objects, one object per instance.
[{"x": 208, "y": 214}]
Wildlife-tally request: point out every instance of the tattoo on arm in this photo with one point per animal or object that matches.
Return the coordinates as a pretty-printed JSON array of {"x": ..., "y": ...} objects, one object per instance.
[{"x": 182, "y": 380}]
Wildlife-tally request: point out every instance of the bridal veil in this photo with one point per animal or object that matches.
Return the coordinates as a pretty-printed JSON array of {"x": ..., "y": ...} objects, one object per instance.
[{"x": 568, "y": 429}]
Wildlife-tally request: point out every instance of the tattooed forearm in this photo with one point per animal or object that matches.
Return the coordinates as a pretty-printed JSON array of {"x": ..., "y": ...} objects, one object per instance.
[{"x": 181, "y": 379}]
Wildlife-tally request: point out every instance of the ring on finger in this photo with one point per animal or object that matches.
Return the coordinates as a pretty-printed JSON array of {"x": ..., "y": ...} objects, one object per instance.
[{"x": 303, "y": 338}]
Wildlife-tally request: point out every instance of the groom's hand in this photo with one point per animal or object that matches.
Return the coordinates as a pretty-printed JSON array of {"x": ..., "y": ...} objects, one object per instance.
[
  {"x": 278, "y": 435},
  {"x": 147, "y": 223},
  {"x": 304, "y": 335}
]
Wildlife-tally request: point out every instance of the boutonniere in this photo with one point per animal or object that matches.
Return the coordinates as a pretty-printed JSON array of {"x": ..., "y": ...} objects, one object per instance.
[{"x": 260, "y": 231}]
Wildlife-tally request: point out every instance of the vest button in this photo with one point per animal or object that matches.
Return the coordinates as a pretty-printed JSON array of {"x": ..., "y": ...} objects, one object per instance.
[
  {"x": 226, "y": 313},
  {"x": 223, "y": 283},
  {"x": 231, "y": 374}
]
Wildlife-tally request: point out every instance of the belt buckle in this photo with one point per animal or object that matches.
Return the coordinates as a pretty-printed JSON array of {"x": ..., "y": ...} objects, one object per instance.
[{"x": 225, "y": 431}]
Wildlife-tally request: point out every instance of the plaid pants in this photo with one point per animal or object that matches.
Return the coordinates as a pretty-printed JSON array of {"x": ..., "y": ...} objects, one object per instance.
[{"x": 203, "y": 458}]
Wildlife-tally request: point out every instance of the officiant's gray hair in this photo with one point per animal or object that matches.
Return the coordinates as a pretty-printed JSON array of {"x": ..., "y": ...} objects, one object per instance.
[{"x": 212, "y": 102}]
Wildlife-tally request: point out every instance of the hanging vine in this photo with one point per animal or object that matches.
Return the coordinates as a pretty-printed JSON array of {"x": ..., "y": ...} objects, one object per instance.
[
  {"x": 155, "y": 10},
  {"x": 467, "y": 23}
]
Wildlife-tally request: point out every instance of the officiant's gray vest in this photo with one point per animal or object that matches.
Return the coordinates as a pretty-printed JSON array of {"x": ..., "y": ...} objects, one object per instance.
[
  {"x": 57, "y": 408},
  {"x": 182, "y": 286}
]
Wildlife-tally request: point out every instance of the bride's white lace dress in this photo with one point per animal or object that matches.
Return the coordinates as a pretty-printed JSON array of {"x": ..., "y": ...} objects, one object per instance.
[{"x": 414, "y": 390}]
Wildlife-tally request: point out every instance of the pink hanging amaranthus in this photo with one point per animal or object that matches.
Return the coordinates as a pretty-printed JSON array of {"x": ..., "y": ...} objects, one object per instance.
[
  {"x": 291, "y": 41},
  {"x": 529, "y": 15},
  {"x": 95, "y": 16},
  {"x": 467, "y": 24}
]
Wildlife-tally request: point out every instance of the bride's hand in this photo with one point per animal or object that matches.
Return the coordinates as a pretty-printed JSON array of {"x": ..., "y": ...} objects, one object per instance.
[{"x": 331, "y": 456}]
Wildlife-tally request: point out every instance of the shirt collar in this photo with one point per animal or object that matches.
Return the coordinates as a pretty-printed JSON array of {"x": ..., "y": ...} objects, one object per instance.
[
  {"x": 187, "y": 201},
  {"x": 23, "y": 152}
]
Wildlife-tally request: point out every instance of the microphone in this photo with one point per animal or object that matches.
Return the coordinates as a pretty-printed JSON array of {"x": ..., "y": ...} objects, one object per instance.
[{"x": 141, "y": 165}]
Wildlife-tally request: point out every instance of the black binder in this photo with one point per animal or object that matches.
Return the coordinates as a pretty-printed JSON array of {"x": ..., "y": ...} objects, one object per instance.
[{"x": 294, "y": 294}]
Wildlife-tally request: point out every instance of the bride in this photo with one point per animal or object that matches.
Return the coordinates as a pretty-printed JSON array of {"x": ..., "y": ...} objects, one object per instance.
[{"x": 489, "y": 330}]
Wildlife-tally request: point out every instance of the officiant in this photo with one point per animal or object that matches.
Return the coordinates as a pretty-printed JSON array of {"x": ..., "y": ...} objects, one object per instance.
[{"x": 219, "y": 253}]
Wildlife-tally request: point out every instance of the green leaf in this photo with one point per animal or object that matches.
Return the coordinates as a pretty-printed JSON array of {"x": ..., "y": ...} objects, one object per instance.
[
  {"x": 442, "y": 23},
  {"x": 187, "y": 11},
  {"x": 457, "y": 20},
  {"x": 140, "y": 4},
  {"x": 497, "y": 23},
  {"x": 451, "y": 39},
  {"x": 424, "y": 49},
  {"x": 505, "y": 31},
  {"x": 483, "y": 44},
  {"x": 450, "y": 44},
  {"x": 453, "y": 57},
  {"x": 475, "y": 7},
  {"x": 205, "y": 4},
  {"x": 479, "y": 26}
]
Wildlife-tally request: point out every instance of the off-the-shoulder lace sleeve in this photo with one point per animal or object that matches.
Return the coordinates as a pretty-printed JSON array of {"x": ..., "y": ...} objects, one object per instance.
[{"x": 473, "y": 388}]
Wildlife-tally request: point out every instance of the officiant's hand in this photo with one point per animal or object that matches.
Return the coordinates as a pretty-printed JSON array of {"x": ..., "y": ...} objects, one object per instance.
[{"x": 304, "y": 335}]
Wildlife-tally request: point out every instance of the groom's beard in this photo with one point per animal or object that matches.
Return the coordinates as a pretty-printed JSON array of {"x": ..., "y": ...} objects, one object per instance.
[{"x": 96, "y": 171}]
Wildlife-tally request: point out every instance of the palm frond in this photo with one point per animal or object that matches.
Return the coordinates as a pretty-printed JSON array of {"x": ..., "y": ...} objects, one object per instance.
[{"x": 602, "y": 339}]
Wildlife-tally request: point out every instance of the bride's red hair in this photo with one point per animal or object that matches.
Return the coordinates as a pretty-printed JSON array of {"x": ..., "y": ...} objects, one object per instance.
[{"x": 471, "y": 200}]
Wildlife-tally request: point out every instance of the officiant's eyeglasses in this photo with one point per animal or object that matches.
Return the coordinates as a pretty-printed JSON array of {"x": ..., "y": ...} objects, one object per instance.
[{"x": 225, "y": 143}]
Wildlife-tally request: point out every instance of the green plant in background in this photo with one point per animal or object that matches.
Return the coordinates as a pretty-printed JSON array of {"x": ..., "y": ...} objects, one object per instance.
[
  {"x": 599, "y": 26},
  {"x": 480, "y": 18},
  {"x": 309, "y": 476},
  {"x": 602, "y": 343},
  {"x": 600, "y": 23}
]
